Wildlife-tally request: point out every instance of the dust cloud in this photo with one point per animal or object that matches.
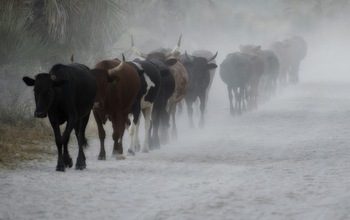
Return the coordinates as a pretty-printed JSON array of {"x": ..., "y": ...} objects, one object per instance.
[{"x": 224, "y": 25}]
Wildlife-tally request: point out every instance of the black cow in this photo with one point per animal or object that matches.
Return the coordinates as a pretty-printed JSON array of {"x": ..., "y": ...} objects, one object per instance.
[
  {"x": 160, "y": 116},
  {"x": 290, "y": 53},
  {"x": 65, "y": 94},
  {"x": 208, "y": 55},
  {"x": 235, "y": 71},
  {"x": 198, "y": 69}
]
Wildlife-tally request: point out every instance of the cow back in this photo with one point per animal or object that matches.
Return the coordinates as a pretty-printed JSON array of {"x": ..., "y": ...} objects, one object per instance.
[
  {"x": 236, "y": 69},
  {"x": 150, "y": 81},
  {"x": 122, "y": 91},
  {"x": 76, "y": 96},
  {"x": 181, "y": 82},
  {"x": 161, "y": 65},
  {"x": 271, "y": 63}
]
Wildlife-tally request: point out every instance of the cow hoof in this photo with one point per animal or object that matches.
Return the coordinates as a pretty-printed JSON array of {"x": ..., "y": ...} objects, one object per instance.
[
  {"x": 80, "y": 167},
  {"x": 120, "y": 157},
  {"x": 68, "y": 162},
  {"x": 101, "y": 158},
  {"x": 145, "y": 151},
  {"x": 60, "y": 168},
  {"x": 131, "y": 152}
]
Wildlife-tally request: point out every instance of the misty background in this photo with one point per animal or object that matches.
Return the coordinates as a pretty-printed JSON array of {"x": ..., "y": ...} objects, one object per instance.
[{"x": 36, "y": 34}]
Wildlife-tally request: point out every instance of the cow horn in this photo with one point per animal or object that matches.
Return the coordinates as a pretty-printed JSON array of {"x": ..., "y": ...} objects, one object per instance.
[
  {"x": 188, "y": 56},
  {"x": 117, "y": 68},
  {"x": 177, "y": 47},
  {"x": 136, "y": 51},
  {"x": 213, "y": 57}
]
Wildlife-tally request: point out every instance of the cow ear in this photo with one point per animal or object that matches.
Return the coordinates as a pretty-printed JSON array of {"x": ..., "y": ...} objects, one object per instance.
[
  {"x": 28, "y": 81},
  {"x": 212, "y": 66}
]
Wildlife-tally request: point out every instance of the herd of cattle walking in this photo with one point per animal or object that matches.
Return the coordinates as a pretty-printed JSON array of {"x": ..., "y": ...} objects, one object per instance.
[{"x": 120, "y": 91}]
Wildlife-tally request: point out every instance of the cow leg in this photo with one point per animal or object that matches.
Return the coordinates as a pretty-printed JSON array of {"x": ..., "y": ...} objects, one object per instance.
[
  {"x": 202, "y": 99},
  {"x": 147, "y": 112},
  {"x": 179, "y": 104},
  {"x": 150, "y": 140},
  {"x": 254, "y": 89},
  {"x": 68, "y": 162},
  {"x": 134, "y": 139},
  {"x": 244, "y": 99},
  {"x": 230, "y": 97},
  {"x": 283, "y": 75},
  {"x": 58, "y": 139},
  {"x": 155, "y": 135},
  {"x": 164, "y": 123},
  {"x": 174, "y": 128},
  {"x": 238, "y": 100},
  {"x": 294, "y": 78},
  {"x": 101, "y": 135},
  {"x": 118, "y": 132},
  {"x": 136, "y": 136},
  {"x": 190, "y": 112},
  {"x": 82, "y": 142}
]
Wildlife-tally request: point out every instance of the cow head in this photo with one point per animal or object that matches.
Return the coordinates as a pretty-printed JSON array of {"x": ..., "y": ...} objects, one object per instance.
[
  {"x": 198, "y": 69},
  {"x": 168, "y": 57},
  {"x": 105, "y": 79},
  {"x": 199, "y": 64},
  {"x": 44, "y": 91}
]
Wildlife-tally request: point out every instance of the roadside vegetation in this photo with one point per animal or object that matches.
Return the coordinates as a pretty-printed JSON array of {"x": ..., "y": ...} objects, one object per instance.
[{"x": 34, "y": 35}]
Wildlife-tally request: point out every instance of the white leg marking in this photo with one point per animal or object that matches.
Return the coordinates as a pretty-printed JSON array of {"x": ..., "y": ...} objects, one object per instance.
[{"x": 147, "y": 115}]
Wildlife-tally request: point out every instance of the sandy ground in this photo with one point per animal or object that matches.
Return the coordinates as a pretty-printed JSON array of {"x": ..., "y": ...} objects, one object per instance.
[{"x": 288, "y": 160}]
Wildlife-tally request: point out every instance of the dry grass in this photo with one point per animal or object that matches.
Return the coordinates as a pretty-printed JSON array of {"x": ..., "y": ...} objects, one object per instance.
[
  {"x": 31, "y": 140},
  {"x": 22, "y": 143}
]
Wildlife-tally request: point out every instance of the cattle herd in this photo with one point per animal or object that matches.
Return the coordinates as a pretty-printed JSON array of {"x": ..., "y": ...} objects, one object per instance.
[{"x": 154, "y": 85}]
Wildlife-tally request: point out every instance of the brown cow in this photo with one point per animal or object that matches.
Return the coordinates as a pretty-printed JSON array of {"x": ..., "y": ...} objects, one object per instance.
[{"x": 118, "y": 87}]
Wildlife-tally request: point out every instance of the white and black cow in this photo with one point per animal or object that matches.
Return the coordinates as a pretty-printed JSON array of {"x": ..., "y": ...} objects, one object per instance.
[
  {"x": 173, "y": 88},
  {"x": 150, "y": 86},
  {"x": 198, "y": 69}
]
